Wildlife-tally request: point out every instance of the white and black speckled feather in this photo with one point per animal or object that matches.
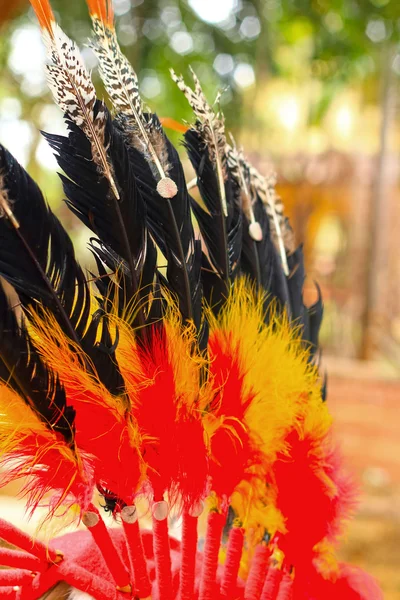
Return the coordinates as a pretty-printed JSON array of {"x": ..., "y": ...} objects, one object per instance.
[
  {"x": 74, "y": 92},
  {"x": 210, "y": 125},
  {"x": 121, "y": 83}
]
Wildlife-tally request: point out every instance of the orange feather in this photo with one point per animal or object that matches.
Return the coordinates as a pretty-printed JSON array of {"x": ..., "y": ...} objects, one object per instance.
[
  {"x": 103, "y": 10},
  {"x": 44, "y": 13},
  {"x": 174, "y": 125}
]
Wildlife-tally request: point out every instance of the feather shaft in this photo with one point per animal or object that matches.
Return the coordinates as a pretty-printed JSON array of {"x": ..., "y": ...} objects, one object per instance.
[
  {"x": 88, "y": 126},
  {"x": 182, "y": 257},
  {"x": 147, "y": 141},
  {"x": 6, "y": 210},
  {"x": 240, "y": 169},
  {"x": 220, "y": 176},
  {"x": 43, "y": 12},
  {"x": 213, "y": 224},
  {"x": 102, "y": 154},
  {"x": 264, "y": 187},
  {"x": 131, "y": 264},
  {"x": 281, "y": 245},
  {"x": 192, "y": 183}
]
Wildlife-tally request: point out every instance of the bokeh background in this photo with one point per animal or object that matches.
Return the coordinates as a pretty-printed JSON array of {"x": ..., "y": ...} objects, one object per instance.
[{"x": 311, "y": 87}]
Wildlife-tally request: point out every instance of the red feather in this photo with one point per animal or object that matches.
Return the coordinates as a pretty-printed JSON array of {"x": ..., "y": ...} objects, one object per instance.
[
  {"x": 313, "y": 494},
  {"x": 232, "y": 451},
  {"x": 102, "y": 433},
  {"x": 350, "y": 583},
  {"x": 52, "y": 478},
  {"x": 106, "y": 438},
  {"x": 173, "y": 439}
]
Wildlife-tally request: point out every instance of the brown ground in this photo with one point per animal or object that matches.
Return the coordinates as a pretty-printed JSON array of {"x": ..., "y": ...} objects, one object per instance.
[{"x": 366, "y": 408}]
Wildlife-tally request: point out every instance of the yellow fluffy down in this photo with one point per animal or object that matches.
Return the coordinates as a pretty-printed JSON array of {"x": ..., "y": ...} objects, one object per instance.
[
  {"x": 276, "y": 368},
  {"x": 286, "y": 389},
  {"x": 27, "y": 440}
]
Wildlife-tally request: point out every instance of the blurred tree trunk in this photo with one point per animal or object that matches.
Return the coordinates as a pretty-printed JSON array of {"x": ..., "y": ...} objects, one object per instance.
[{"x": 373, "y": 318}]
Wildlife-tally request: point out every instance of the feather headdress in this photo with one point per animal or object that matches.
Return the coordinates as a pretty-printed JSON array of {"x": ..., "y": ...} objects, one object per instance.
[{"x": 186, "y": 389}]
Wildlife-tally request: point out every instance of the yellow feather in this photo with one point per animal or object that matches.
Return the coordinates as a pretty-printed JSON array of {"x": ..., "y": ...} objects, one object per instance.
[{"x": 286, "y": 389}]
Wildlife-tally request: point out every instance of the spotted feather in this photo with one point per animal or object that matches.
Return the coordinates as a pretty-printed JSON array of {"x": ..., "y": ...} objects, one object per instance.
[
  {"x": 121, "y": 83},
  {"x": 210, "y": 124},
  {"x": 72, "y": 88}
]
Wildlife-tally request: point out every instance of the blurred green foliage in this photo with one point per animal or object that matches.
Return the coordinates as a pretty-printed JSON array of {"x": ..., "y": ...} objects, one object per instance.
[
  {"x": 332, "y": 40},
  {"x": 243, "y": 46}
]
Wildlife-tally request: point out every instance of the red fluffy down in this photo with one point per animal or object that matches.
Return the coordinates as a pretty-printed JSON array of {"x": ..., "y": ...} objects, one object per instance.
[
  {"x": 313, "y": 495},
  {"x": 351, "y": 583},
  {"x": 173, "y": 439},
  {"x": 231, "y": 449},
  {"x": 103, "y": 434},
  {"x": 53, "y": 479}
]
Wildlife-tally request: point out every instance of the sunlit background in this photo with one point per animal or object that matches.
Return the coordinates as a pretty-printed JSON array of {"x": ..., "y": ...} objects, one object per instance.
[{"x": 312, "y": 87}]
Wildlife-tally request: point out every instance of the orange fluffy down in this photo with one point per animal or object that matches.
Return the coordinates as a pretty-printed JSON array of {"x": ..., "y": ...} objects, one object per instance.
[{"x": 29, "y": 450}]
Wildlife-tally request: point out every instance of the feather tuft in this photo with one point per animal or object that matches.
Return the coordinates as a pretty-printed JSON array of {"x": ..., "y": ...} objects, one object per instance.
[{"x": 30, "y": 449}]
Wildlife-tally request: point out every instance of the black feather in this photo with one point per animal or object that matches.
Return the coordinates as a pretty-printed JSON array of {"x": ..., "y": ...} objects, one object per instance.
[
  {"x": 38, "y": 260},
  {"x": 171, "y": 226},
  {"x": 222, "y": 234},
  {"x": 23, "y": 370},
  {"x": 120, "y": 223},
  {"x": 260, "y": 260},
  {"x": 309, "y": 318}
]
